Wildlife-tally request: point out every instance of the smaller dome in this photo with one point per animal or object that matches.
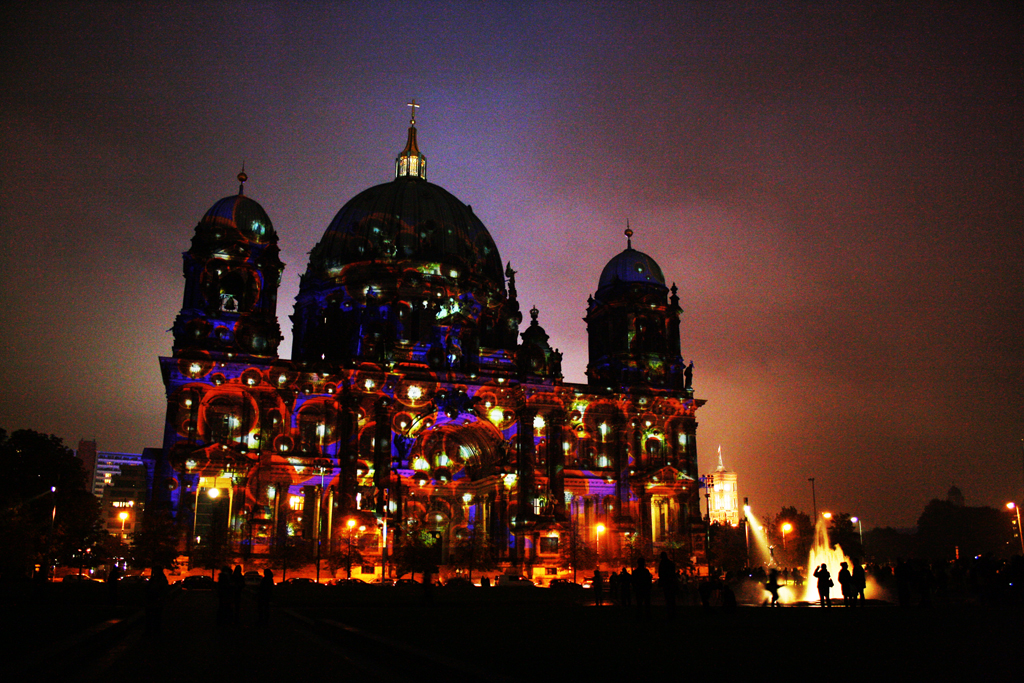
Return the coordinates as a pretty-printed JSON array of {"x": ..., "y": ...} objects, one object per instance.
[
  {"x": 238, "y": 212},
  {"x": 535, "y": 334},
  {"x": 631, "y": 266}
]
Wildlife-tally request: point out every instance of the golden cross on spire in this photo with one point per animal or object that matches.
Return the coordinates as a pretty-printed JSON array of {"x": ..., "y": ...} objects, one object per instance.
[{"x": 412, "y": 112}]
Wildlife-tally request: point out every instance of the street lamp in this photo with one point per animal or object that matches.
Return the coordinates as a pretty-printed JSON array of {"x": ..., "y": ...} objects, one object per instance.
[
  {"x": 600, "y": 530},
  {"x": 1013, "y": 506},
  {"x": 786, "y": 528},
  {"x": 123, "y": 516},
  {"x": 860, "y": 530},
  {"x": 350, "y": 524}
]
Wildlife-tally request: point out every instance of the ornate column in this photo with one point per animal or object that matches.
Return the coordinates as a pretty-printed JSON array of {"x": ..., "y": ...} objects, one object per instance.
[
  {"x": 382, "y": 453},
  {"x": 556, "y": 460}
]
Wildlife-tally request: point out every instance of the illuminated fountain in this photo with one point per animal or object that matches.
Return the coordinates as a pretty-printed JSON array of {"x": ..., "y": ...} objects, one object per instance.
[{"x": 823, "y": 552}]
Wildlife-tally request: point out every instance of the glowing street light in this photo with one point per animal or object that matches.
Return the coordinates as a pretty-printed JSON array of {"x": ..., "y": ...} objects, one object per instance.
[
  {"x": 123, "y": 516},
  {"x": 860, "y": 530},
  {"x": 1013, "y": 506},
  {"x": 350, "y": 524},
  {"x": 600, "y": 530},
  {"x": 786, "y": 528}
]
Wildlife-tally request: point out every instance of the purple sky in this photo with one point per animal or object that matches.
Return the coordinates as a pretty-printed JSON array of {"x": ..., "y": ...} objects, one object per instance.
[{"x": 836, "y": 190}]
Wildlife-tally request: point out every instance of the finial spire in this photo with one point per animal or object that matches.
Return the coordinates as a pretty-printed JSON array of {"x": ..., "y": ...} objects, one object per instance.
[
  {"x": 629, "y": 235},
  {"x": 241, "y": 179},
  {"x": 410, "y": 161}
]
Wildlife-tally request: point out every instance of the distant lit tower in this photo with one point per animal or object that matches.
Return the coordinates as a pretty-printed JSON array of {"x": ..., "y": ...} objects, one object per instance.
[{"x": 725, "y": 507}]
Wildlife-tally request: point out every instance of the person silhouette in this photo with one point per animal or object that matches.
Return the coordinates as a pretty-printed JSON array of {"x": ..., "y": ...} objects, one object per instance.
[
  {"x": 598, "y": 584},
  {"x": 642, "y": 580},
  {"x": 859, "y": 581},
  {"x": 772, "y": 586},
  {"x": 237, "y": 587},
  {"x": 846, "y": 584},
  {"x": 625, "y": 583},
  {"x": 824, "y": 584},
  {"x": 156, "y": 589},
  {"x": 263, "y": 595},
  {"x": 224, "y": 596}
]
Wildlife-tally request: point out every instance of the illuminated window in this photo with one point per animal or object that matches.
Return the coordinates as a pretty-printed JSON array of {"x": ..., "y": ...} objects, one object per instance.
[{"x": 296, "y": 503}]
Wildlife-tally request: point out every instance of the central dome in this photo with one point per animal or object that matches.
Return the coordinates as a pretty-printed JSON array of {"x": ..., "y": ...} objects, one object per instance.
[{"x": 407, "y": 219}]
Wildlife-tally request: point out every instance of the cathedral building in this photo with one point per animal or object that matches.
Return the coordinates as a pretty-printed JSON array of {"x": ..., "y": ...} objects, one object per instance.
[{"x": 412, "y": 405}]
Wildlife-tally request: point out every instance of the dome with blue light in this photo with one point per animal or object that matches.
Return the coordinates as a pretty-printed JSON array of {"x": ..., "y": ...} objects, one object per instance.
[
  {"x": 631, "y": 266},
  {"x": 241, "y": 214}
]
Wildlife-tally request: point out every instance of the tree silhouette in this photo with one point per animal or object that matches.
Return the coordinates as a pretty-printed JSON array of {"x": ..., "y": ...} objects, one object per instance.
[
  {"x": 45, "y": 510},
  {"x": 475, "y": 552},
  {"x": 573, "y": 550},
  {"x": 797, "y": 546},
  {"x": 156, "y": 541}
]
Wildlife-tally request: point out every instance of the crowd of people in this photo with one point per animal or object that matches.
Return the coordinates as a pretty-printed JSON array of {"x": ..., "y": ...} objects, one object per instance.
[{"x": 908, "y": 583}]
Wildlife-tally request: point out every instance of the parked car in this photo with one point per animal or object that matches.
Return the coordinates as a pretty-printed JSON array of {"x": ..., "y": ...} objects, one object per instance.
[
  {"x": 200, "y": 582},
  {"x": 459, "y": 582},
  {"x": 133, "y": 580},
  {"x": 564, "y": 584},
  {"x": 348, "y": 582},
  {"x": 515, "y": 581},
  {"x": 252, "y": 578},
  {"x": 80, "y": 578},
  {"x": 407, "y": 582},
  {"x": 301, "y": 581}
]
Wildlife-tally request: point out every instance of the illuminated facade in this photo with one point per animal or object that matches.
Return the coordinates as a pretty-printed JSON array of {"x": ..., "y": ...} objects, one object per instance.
[
  {"x": 412, "y": 402},
  {"x": 724, "y": 495}
]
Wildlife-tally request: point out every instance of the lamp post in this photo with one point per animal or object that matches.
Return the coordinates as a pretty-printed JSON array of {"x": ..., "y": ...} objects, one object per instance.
[
  {"x": 709, "y": 486},
  {"x": 1013, "y": 506},
  {"x": 860, "y": 531},
  {"x": 348, "y": 569},
  {"x": 600, "y": 530},
  {"x": 123, "y": 516},
  {"x": 786, "y": 528}
]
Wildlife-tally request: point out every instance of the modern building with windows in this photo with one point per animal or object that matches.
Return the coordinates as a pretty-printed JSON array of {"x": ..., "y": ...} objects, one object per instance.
[
  {"x": 101, "y": 466},
  {"x": 413, "y": 406}
]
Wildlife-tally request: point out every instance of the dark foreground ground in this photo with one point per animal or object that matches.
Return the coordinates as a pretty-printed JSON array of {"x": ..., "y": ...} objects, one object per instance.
[{"x": 72, "y": 633}]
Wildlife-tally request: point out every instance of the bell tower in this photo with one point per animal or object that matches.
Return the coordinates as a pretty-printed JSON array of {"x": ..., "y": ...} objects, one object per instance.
[
  {"x": 633, "y": 325},
  {"x": 232, "y": 272}
]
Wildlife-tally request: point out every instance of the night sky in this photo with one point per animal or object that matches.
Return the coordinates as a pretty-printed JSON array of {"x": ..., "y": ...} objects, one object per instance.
[{"x": 835, "y": 189}]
